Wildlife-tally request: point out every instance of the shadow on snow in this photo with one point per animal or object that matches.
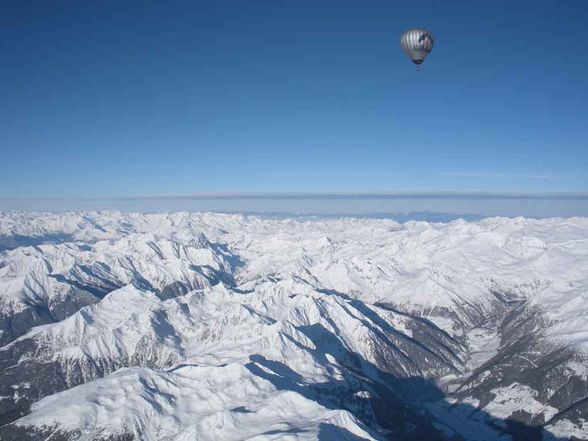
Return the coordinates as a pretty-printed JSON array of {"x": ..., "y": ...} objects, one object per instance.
[{"x": 389, "y": 406}]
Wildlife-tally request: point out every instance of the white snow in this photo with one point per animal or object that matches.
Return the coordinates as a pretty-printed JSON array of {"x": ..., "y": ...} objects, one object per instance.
[
  {"x": 189, "y": 402},
  {"x": 288, "y": 276},
  {"x": 517, "y": 397}
]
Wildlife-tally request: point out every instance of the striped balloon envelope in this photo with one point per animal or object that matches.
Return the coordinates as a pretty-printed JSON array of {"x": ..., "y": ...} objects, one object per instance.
[{"x": 417, "y": 43}]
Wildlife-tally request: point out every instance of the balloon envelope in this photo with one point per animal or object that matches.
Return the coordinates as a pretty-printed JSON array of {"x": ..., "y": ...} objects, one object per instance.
[{"x": 417, "y": 43}]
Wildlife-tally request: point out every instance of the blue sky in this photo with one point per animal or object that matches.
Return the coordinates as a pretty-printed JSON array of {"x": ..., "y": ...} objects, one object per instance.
[{"x": 118, "y": 98}]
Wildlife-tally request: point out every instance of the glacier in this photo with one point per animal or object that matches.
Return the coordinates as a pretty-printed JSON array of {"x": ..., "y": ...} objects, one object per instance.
[{"x": 181, "y": 326}]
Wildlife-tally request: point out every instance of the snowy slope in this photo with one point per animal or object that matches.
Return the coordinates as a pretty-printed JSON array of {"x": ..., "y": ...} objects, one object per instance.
[{"x": 209, "y": 326}]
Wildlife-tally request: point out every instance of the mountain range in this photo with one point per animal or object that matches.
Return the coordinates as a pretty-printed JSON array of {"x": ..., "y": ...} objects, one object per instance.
[{"x": 183, "y": 326}]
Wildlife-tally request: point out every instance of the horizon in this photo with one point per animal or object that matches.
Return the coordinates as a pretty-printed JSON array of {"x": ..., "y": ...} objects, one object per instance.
[{"x": 446, "y": 204}]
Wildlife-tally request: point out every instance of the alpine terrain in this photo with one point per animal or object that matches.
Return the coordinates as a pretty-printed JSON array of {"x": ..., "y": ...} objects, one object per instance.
[{"x": 121, "y": 326}]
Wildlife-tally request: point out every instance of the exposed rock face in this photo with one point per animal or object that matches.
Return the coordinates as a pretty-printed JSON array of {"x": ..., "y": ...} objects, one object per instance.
[{"x": 183, "y": 326}]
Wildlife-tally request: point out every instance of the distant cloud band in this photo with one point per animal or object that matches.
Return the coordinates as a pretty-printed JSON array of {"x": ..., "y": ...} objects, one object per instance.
[{"x": 329, "y": 196}]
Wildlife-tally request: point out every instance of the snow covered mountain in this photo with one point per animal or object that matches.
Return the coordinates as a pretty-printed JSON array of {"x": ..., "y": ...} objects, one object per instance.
[{"x": 207, "y": 326}]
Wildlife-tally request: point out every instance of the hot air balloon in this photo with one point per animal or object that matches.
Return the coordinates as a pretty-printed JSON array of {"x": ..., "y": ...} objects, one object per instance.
[{"x": 417, "y": 43}]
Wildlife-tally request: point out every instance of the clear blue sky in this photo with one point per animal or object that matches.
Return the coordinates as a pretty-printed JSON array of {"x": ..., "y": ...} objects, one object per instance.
[{"x": 116, "y": 98}]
